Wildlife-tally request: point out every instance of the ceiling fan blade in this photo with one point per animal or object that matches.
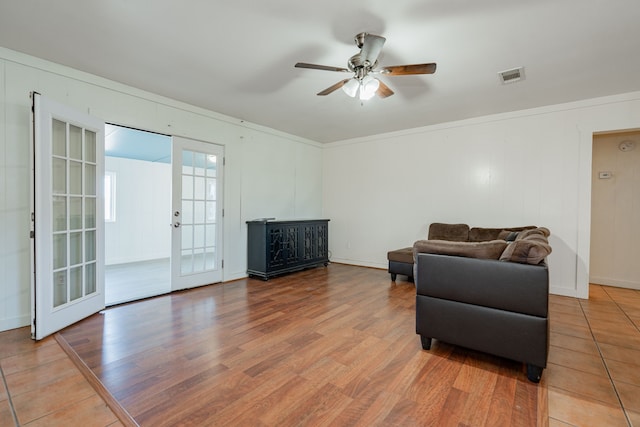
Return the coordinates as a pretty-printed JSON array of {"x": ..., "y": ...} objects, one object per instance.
[
  {"x": 404, "y": 70},
  {"x": 371, "y": 48},
  {"x": 333, "y": 88},
  {"x": 321, "y": 67},
  {"x": 383, "y": 90}
]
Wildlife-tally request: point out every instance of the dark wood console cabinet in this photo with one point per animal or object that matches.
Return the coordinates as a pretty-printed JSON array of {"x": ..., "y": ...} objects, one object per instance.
[{"x": 277, "y": 247}]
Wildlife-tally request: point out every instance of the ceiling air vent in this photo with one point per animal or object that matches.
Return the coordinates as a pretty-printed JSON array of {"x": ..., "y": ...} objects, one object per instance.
[{"x": 511, "y": 76}]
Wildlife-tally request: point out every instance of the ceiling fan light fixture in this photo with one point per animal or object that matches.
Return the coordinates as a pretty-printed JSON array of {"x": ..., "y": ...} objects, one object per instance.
[
  {"x": 368, "y": 88},
  {"x": 351, "y": 87}
]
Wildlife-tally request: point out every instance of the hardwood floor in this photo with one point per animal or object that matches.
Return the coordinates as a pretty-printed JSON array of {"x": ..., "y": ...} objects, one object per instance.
[{"x": 328, "y": 346}]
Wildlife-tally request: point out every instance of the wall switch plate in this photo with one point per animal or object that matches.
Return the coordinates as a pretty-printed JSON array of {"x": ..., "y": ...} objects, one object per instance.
[{"x": 605, "y": 175}]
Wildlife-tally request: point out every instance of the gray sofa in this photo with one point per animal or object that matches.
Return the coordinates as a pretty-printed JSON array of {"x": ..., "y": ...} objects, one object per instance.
[{"x": 490, "y": 296}]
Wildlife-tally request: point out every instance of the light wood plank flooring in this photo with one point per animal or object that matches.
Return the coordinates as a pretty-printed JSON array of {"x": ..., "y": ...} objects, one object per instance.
[
  {"x": 328, "y": 346},
  {"x": 136, "y": 280}
]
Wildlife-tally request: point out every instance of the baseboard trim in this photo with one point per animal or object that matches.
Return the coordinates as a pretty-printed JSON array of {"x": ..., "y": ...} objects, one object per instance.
[
  {"x": 607, "y": 281},
  {"x": 14, "y": 322}
]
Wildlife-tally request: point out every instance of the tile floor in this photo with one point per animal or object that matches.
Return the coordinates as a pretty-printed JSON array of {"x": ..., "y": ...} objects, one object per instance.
[
  {"x": 593, "y": 375},
  {"x": 40, "y": 386}
]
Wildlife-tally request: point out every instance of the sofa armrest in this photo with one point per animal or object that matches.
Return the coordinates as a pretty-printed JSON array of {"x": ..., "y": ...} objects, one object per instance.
[{"x": 520, "y": 288}]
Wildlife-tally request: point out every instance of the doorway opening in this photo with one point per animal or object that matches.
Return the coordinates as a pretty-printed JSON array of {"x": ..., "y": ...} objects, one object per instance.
[
  {"x": 138, "y": 178},
  {"x": 615, "y": 209}
]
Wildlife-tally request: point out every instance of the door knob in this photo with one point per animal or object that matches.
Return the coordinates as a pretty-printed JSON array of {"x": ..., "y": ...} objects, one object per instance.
[{"x": 177, "y": 224}]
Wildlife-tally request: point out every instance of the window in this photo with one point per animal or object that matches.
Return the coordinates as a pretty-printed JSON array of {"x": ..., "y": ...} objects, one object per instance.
[{"x": 109, "y": 196}]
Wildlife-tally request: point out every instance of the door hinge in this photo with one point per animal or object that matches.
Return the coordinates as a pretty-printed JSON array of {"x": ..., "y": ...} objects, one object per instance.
[
  {"x": 32, "y": 234},
  {"x": 222, "y": 263},
  {"x": 223, "y": 212},
  {"x": 224, "y": 161}
]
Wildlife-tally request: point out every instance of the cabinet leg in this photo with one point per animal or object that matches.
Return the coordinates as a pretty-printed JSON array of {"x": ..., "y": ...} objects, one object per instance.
[{"x": 393, "y": 277}]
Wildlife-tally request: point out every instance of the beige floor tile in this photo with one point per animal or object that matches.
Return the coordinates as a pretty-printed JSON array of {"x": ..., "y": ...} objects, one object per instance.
[
  {"x": 621, "y": 293},
  {"x": 6, "y": 415},
  {"x": 572, "y": 330},
  {"x": 622, "y": 324},
  {"x": 631, "y": 310},
  {"x": 620, "y": 354},
  {"x": 584, "y": 362},
  {"x": 3, "y": 391},
  {"x": 558, "y": 307},
  {"x": 634, "y": 417},
  {"x": 16, "y": 341},
  {"x": 53, "y": 397},
  {"x": 88, "y": 412},
  {"x": 559, "y": 299},
  {"x": 602, "y": 311},
  {"x": 624, "y": 372},
  {"x": 40, "y": 376},
  {"x": 557, "y": 423},
  {"x": 589, "y": 386},
  {"x": 580, "y": 411},
  {"x": 574, "y": 343},
  {"x": 597, "y": 294},
  {"x": 569, "y": 318},
  {"x": 618, "y": 339},
  {"x": 630, "y": 396},
  {"x": 32, "y": 357}
]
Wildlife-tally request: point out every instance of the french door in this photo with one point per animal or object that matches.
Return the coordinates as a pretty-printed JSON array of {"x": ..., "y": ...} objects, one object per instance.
[
  {"x": 196, "y": 239},
  {"x": 67, "y": 216}
]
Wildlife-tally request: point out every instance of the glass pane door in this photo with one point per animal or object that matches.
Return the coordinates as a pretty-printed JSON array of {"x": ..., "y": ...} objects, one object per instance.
[
  {"x": 73, "y": 206},
  {"x": 68, "y": 165},
  {"x": 196, "y": 255}
]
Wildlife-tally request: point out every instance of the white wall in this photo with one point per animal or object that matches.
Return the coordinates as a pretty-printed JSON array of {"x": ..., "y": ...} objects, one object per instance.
[
  {"x": 615, "y": 229},
  {"x": 143, "y": 212},
  {"x": 252, "y": 186},
  {"x": 521, "y": 168}
]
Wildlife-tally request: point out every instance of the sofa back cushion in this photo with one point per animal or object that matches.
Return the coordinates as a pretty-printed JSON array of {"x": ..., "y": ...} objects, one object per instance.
[
  {"x": 450, "y": 232},
  {"x": 530, "y": 247},
  {"x": 485, "y": 250},
  {"x": 481, "y": 234}
]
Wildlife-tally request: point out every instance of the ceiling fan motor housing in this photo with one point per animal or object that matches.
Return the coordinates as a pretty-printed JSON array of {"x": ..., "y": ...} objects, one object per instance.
[{"x": 360, "y": 67}]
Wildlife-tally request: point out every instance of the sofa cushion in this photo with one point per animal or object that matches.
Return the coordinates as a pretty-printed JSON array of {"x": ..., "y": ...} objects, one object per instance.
[
  {"x": 481, "y": 234},
  {"x": 540, "y": 231},
  {"x": 401, "y": 255},
  {"x": 486, "y": 250},
  {"x": 507, "y": 235},
  {"x": 450, "y": 232},
  {"x": 526, "y": 251}
]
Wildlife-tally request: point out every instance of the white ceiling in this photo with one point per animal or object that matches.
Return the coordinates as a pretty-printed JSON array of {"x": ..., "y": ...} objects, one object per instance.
[{"x": 237, "y": 57}]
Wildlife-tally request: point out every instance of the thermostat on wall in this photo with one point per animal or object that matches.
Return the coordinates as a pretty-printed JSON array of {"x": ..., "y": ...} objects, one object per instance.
[{"x": 605, "y": 175}]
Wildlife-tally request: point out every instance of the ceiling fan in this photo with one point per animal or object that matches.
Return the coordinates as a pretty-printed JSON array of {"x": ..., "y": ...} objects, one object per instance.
[{"x": 363, "y": 64}]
